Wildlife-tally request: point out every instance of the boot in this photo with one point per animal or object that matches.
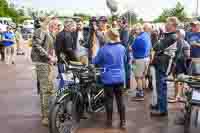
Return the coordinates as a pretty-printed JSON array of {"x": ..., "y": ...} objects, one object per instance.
[{"x": 45, "y": 122}]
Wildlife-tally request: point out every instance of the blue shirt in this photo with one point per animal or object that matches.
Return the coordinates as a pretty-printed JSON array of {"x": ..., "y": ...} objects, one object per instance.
[
  {"x": 10, "y": 36},
  {"x": 194, "y": 38},
  {"x": 142, "y": 46},
  {"x": 111, "y": 58}
]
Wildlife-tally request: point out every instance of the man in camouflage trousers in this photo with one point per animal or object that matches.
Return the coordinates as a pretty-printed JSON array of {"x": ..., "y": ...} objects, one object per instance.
[{"x": 43, "y": 56}]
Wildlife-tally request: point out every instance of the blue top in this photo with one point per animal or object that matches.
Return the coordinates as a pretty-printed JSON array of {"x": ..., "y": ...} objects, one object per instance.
[
  {"x": 194, "y": 38},
  {"x": 111, "y": 58},
  {"x": 142, "y": 46},
  {"x": 10, "y": 36}
]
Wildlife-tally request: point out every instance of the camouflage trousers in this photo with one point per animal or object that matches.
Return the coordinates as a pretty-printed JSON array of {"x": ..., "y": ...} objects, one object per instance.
[{"x": 45, "y": 79}]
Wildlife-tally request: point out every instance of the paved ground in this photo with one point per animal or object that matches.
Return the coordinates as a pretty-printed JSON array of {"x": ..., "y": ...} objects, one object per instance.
[{"x": 20, "y": 109}]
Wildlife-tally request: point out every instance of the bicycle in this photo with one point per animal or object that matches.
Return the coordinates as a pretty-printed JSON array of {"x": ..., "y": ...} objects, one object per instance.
[{"x": 192, "y": 103}]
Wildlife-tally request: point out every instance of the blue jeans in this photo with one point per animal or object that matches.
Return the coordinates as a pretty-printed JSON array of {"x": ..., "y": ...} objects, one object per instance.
[{"x": 161, "y": 91}]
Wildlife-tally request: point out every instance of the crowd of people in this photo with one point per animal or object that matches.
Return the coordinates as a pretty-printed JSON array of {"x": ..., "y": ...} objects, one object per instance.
[{"x": 141, "y": 51}]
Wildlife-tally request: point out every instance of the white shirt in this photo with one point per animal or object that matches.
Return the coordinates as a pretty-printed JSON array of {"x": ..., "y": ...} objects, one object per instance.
[{"x": 80, "y": 50}]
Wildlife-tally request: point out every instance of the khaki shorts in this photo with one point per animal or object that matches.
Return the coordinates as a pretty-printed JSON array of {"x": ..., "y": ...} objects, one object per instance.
[{"x": 141, "y": 67}]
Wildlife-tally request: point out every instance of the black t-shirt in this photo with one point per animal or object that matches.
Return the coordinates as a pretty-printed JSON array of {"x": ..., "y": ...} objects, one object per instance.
[{"x": 162, "y": 60}]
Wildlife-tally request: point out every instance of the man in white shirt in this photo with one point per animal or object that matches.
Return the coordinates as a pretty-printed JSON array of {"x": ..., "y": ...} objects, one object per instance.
[{"x": 81, "y": 51}]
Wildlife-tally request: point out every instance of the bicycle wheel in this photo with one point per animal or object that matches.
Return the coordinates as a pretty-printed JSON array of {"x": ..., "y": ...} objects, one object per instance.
[{"x": 60, "y": 117}]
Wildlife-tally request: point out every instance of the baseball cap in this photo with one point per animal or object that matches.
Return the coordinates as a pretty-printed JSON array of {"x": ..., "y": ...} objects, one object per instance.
[
  {"x": 195, "y": 22},
  {"x": 103, "y": 18},
  {"x": 93, "y": 19}
]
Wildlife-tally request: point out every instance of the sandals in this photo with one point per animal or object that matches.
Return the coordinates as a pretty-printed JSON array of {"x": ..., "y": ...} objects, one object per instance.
[
  {"x": 172, "y": 100},
  {"x": 175, "y": 100}
]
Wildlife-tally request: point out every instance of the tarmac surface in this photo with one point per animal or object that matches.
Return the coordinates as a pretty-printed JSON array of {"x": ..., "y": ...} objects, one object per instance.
[{"x": 20, "y": 108}]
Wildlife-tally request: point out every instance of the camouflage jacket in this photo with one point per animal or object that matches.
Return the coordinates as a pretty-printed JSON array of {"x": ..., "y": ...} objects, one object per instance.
[{"x": 41, "y": 44}]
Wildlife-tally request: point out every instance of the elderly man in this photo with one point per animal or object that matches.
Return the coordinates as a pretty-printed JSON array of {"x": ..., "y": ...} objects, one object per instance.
[
  {"x": 66, "y": 44},
  {"x": 180, "y": 64},
  {"x": 42, "y": 56},
  {"x": 162, "y": 62},
  {"x": 141, "y": 54},
  {"x": 194, "y": 40}
]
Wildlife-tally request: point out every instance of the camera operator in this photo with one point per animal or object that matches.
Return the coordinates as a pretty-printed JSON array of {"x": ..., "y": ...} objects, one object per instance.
[{"x": 97, "y": 38}]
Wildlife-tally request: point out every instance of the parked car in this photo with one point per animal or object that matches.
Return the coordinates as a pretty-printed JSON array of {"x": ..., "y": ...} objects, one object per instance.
[{"x": 27, "y": 29}]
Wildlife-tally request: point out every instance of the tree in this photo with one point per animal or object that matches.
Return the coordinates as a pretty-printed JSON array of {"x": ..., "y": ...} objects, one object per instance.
[
  {"x": 85, "y": 17},
  {"x": 6, "y": 11},
  {"x": 131, "y": 16},
  {"x": 21, "y": 12},
  {"x": 178, "y": 11}
]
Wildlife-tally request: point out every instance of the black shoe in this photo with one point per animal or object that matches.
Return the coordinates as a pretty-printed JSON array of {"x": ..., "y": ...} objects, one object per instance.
[
  {"x": 153, "y": 107},
  {"x": 123, "y": 124},
  {"x": 157, "y": 113}
]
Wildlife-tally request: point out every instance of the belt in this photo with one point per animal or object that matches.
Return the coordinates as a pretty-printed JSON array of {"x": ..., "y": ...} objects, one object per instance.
[{"x": 196, "y": 60}]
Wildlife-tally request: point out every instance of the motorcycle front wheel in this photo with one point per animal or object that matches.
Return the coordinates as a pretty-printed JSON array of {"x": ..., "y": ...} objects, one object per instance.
[{"x": 60, "y": 117}]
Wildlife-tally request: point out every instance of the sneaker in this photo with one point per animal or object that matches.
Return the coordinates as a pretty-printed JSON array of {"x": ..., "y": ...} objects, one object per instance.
[
  {"x": 45, "y": 122},
  {"x": 123, "y": 124},
  {"x": 141, "y": 93},
  {"x": 157, "y": 113},
  {"x": 139, "y": 96},
  {"x": 137, "y": 93}
]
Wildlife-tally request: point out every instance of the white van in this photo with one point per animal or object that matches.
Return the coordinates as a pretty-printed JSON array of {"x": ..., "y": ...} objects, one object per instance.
[
  {"x": 27, "y": 29},
  {"x": 28, "y": 24}
]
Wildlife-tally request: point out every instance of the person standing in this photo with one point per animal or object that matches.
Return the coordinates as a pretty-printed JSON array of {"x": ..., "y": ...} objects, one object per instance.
[
  {"x": 124, "y": 37},
  {"x": 141, "y": 49},
  {"x": 111, "y": 59},
  {"x": 97, "y": 36},
  {"x": 65, "y": 42},
  {"x": 9, "y": 43},
  {"x": 81, "y": 40},
  {"x": 163, "y": 63},
  {"x": 41, "y": 54},
  {"x": 180, "y": 64},
  {"x": 18, "y": 38},
  {"x": 2, "y": 51},
  {"x": 194, "y": 40}
]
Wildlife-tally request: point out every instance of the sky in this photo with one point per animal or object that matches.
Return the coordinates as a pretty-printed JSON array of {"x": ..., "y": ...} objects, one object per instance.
[{"x": 146, "y": 9}]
